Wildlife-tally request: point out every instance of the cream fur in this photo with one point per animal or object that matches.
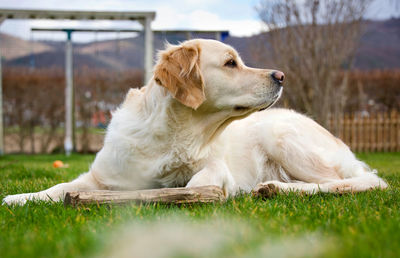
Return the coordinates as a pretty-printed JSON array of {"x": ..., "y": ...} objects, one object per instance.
[{"x": 155, "y": 140}]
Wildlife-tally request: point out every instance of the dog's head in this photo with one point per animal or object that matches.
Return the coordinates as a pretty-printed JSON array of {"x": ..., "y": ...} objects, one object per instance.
[{"x": 209, "y": 75}]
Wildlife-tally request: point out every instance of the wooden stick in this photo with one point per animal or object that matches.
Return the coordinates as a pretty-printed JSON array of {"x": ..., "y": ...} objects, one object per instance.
[{"x": 203, "y": 194}]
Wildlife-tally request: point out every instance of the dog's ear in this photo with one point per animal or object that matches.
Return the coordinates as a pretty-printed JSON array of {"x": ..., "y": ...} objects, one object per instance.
[{"x": 178, "y": 71}]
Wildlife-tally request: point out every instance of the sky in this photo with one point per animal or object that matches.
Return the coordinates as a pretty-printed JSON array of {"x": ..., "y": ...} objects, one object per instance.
[{"x": 237, "y": 16}]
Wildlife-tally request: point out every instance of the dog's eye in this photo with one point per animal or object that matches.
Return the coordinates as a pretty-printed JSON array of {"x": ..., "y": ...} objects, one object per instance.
[{"x": 231, "y": 63}]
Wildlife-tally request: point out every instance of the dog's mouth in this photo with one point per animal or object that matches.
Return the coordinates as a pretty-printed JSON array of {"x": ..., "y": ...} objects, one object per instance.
[
  {"x": 260, "y": 107},
  {"x": 241, "y": 108},
  {"x": 264, "y": 108}
]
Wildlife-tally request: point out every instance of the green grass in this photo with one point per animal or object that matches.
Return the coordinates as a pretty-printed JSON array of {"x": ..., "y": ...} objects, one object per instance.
[{"x": 323, "y": 225}]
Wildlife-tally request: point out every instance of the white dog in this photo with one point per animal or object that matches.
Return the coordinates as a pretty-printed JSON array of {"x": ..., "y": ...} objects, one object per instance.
[{"x": 195, "y": 123}]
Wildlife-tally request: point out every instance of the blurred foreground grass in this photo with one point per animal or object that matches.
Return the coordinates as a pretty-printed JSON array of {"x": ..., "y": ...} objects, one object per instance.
[{"x": 359, "y": 225}]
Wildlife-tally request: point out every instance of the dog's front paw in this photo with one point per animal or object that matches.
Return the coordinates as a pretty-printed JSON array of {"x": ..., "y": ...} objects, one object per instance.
[
  {"x": 266, "y": 190},
  {"x": 17, "y": 199}
]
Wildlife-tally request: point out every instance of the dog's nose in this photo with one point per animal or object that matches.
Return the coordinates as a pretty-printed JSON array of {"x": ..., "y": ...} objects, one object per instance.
[{"x": 278, "y": 76}]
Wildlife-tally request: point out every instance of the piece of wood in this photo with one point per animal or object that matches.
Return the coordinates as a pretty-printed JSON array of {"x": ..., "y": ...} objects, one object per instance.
[{"x": 203, "y": 194}]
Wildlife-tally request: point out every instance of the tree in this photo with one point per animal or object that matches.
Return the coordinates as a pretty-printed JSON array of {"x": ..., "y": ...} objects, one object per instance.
[{"x": 314, "y": 42}]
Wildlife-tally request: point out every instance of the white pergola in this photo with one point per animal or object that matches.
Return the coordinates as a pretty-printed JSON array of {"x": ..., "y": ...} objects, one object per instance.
[{"x": 145, "y": 18}]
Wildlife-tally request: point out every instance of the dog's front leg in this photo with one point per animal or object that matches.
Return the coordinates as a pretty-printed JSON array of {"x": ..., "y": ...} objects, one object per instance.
[
  {"x": 84, "y": 182},
  {"x": 216, "y": 172}
]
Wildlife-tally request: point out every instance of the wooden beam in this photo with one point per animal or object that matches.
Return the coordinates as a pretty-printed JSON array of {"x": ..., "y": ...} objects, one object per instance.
[
  {"x": 132, "y": 30},
  {"x": 86, "y": 30},
  {"x": 74, "y": 15},
  {"x": 203, "y": 194}
]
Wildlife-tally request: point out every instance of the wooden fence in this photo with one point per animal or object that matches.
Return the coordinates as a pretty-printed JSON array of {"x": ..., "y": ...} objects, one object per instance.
[{"x": 372, "y": 133}]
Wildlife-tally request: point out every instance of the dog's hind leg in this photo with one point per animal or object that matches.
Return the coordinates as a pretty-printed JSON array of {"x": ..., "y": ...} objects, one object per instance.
[
  {"x": 352, "y": 185},
  {"x": 309, "y": 153},
  {"x": 56, "y": 193}
]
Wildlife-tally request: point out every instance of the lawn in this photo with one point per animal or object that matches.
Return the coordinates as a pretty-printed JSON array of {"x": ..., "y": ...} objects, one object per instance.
[{"x": 323, "y": 225}]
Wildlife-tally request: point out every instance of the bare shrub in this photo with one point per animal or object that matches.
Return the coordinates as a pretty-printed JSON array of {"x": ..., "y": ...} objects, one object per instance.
[
  {"x": 33, "y": 99},
  {"x": 374, "y": 91},
  {"x": 100, "y": 91},
  {"x": 34, "y": 104},
  {"x": 313, "y": 42}
]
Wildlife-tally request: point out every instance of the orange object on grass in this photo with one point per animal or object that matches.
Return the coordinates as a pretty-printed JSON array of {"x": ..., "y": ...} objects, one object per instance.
[{"x": 58, "y": 164}]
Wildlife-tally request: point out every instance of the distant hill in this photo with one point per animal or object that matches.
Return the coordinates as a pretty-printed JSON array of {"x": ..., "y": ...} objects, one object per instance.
[
  {"x": 12, "y": 47},
  {"x": 56, "y": 59},
  {"x": 379, "y": 48},
  {"x": 380, "y": 45}
]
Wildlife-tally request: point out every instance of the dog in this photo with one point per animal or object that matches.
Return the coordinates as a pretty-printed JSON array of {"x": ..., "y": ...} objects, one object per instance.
[{"x": 203, "y": 119}]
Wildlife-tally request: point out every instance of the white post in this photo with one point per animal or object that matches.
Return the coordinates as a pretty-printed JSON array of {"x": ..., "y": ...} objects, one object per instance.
[
  {"x": 188, "y": 35},
  {"x": 218, "y": 36},
  {"x": 1, "y": 103},
  {"x": 148, "y": 49},
  {"x": 69, "y": 97},
  {"x": 1, "y": 109}
]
